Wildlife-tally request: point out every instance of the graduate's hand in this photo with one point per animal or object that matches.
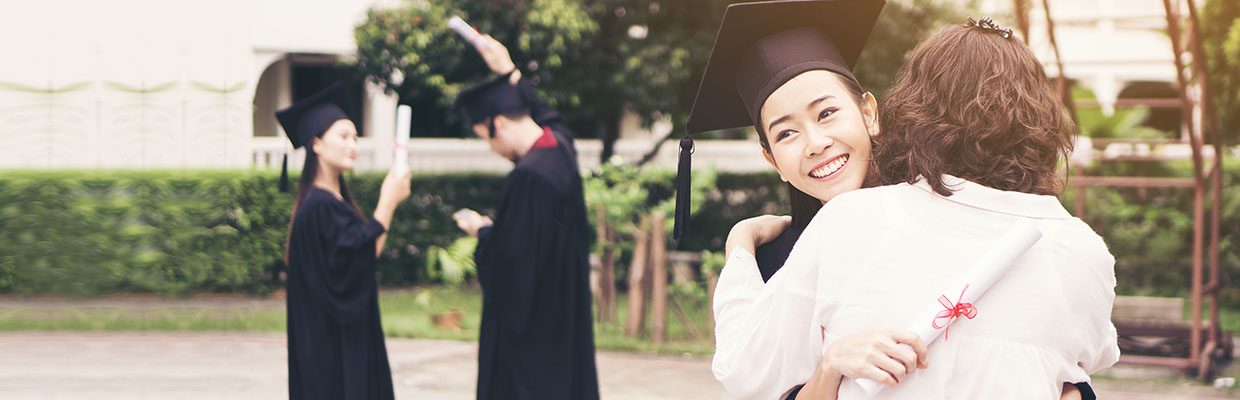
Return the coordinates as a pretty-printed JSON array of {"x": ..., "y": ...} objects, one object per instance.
[
  {"x": 496, "y": 56},
  {"x": 395, "y": 187},
  {"x": 876, "y": 355},
  {"x": 753, "y": 232},
  {"x": 471, "y": 222}
]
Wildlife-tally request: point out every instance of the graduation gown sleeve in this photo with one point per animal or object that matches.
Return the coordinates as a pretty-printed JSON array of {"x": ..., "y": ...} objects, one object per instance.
[{"x": 345, "y": 280}]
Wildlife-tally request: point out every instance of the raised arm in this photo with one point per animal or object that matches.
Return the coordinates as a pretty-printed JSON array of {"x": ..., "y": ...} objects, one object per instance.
[{"x": 500, "y": 63}]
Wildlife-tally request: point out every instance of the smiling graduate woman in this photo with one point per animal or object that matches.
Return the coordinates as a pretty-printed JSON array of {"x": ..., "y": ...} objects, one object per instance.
[{"x": 785, "y": 67}]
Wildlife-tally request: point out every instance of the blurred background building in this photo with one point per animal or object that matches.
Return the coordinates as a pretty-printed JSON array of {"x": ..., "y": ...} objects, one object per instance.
[{"x": 146, "y": 84}]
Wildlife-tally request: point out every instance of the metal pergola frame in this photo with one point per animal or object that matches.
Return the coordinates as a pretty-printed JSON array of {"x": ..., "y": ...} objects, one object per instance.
[{"x": 1208, "y": 345}]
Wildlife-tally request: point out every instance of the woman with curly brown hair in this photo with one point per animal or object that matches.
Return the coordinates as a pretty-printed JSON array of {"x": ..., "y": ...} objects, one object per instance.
[{"x": 972, "y": 136}]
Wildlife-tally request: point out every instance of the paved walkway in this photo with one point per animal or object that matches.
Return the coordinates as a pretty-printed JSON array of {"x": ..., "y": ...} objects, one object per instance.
[{"x": 189, "y": 366}]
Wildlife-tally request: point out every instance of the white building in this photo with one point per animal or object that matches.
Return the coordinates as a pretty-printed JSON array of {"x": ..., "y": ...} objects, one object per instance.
[
  {"x": 166, "y": 84},
  {"x": 1118, "y": 49},
  {"x": 155, "y": 84}
]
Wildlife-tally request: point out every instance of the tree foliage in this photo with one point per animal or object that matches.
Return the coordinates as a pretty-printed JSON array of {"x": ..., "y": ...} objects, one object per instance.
[
  {"x": 1220, "y": 26},
  {"x": 595, "y": 59},
  {"x": 411, "y": 51},
  {"x": 1122, "y": 123}
]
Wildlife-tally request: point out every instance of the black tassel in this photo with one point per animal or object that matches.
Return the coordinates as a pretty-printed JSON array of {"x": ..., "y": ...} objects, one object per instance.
[
  {"x": 284, "y": 175},
  {"x": 680, "y": 222}
]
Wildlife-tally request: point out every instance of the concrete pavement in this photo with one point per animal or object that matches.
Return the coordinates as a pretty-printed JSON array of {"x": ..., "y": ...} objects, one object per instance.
[
  {"x": 191, "y": 366},
  {"x": 222, "y": 365}
]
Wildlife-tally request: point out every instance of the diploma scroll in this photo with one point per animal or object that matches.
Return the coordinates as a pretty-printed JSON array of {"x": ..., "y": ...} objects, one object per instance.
[
  {"x": 956, "y": 301},
  {"x": 467, "y": 32},
  {"x": 404, "y": 117}
]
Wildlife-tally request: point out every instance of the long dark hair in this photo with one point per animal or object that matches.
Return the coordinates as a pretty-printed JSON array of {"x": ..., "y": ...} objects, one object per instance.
[
  {"x": 309, "y": 171},
  {"x": 802, "y": 205}
]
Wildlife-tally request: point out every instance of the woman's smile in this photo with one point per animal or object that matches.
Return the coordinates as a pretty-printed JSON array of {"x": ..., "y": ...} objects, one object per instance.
[{"x": 830, "y": 168}]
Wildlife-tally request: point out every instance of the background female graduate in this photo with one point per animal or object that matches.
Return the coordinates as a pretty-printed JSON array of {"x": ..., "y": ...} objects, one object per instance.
[
  {"x": 335, "y": 341},
  {"x": 536, "y": 340}
]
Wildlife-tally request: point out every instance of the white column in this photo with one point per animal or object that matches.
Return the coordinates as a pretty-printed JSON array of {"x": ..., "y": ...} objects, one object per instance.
[
  {"x": 379, "y": 114},
  {"x": 1106, "y": 89}
]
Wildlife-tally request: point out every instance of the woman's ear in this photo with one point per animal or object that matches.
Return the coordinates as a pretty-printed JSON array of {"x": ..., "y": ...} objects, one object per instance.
[
  {"x": 766, "y": 154},
  {"x": 315, "y": 144},
  {"x": 869, "y": 110}
]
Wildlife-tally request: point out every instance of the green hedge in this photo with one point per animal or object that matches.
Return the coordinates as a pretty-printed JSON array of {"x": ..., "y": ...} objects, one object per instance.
[
  {"x": 85, "y": 233},
  {"x": 1150, "y": 230}
]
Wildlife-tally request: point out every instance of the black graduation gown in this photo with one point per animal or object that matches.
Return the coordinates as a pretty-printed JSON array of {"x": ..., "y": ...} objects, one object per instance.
[
  {"x": 335, "y": 341},
  {"x": 536, "y": 340},
  {"x": 771, "y": 256}
]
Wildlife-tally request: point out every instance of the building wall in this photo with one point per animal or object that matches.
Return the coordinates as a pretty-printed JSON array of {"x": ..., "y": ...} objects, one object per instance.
[
  {"x": 174, "y": 84},
  {"x": 1105, "y": 45},
  {"x": 158, "y": 84}
]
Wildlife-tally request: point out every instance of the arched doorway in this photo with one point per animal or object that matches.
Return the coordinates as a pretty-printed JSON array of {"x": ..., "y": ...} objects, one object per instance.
[{"x": 1164, "y": 114}]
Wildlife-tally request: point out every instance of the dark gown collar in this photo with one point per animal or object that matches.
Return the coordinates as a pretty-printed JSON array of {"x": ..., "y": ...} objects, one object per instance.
[
  {"x": 772, "y": 255},
  {"x": 546, "y": 140}
]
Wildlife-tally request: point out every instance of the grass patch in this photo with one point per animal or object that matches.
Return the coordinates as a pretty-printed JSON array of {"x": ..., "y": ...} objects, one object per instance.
[
  {"x": 406, "y": 314},
  {"x": 155, "y": 318},
  {"x": 1229, "y": 318}
]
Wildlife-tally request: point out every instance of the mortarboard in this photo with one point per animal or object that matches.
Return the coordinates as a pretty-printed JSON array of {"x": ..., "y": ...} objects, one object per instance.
[
  {"x": 494, "y": 97},
  {"x": 309, "y": 118},
  {"x": 760, "y": 46}
]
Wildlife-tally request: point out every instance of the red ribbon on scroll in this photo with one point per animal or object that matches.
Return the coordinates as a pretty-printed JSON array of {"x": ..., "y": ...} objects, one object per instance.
[{"x": 952, "y": 311}]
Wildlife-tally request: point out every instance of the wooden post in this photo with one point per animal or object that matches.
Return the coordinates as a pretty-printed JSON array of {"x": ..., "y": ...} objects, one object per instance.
[
  {"x": 1210, "y": 131},
  {"x": 604, "y": 260},
  {"x": 1061, "y": 81},
  {"x": 1173, "y": 30},
  {"x": 711, "y": 281},
  {"x": 636, "y": 323},
  {"x": 1080, "y": 195},
  {"x": 610, "y": 275},
  {"x": 1022, "y": 19},
  {"x": 607, "y": 269},
  {"x": 658, "y": 276}
]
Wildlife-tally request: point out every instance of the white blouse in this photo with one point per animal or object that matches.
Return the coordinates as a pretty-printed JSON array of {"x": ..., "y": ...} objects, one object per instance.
[{"x": 876, "y": 258}]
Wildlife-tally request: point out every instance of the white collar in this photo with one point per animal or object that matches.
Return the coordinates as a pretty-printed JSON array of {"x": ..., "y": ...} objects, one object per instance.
[{"x": 987, "y": 198}]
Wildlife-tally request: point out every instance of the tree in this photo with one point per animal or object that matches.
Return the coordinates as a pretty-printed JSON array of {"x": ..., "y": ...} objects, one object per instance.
[
  {"x": 901, "y": 26},
  {"x": 595, "y": 59},
  {"x": 647, "y": 57},
  {"x": 1220, "y": 26},
  {"x": 411, "y": 51}
]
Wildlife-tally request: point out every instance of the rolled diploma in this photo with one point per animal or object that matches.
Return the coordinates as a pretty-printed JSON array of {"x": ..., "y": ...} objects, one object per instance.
[
  {"x": 467, "y": 32},
  {"x": 978, "y": 278},
  {"x": 404, "y": 115}
]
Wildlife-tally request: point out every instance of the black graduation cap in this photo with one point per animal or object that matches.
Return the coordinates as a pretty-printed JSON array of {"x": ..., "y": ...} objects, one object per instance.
[
  {"x": 494, "y": 97},
  {"x": 309, "y": 118},
  {"x": 760, "y": 46}
]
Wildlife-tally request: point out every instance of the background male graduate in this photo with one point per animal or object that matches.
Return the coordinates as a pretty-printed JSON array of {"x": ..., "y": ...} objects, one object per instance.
[{"x": 537, "y": 338}]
